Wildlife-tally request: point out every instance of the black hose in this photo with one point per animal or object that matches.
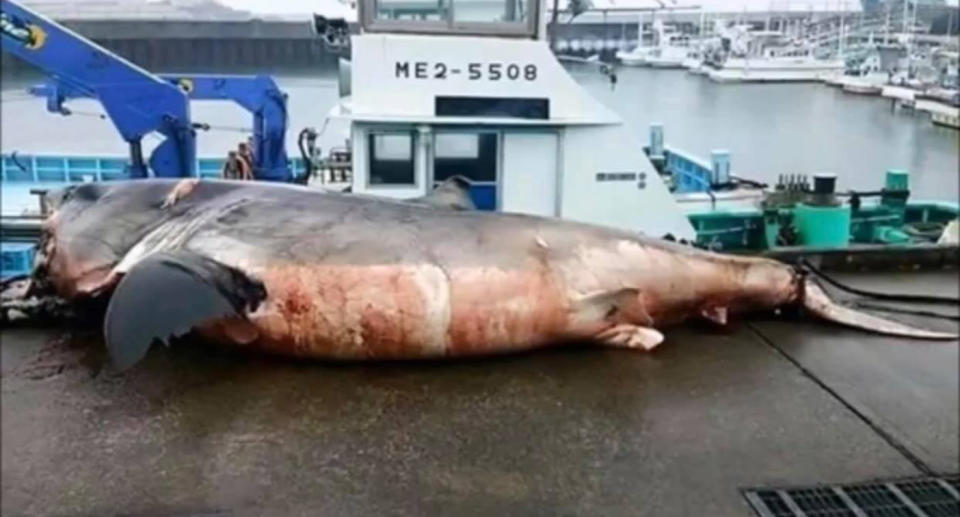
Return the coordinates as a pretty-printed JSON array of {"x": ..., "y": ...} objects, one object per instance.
[
  {"x": 929, "y": 314},
  {"x": 16, "y": 161},
  {"x": 899, "y": 297},
  {"x": 745, "y": 181},
  {"x": 307, "y": 162}
]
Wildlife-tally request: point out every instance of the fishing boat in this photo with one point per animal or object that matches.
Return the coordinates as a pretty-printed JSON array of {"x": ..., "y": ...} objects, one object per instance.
[
  {"x": 775, "y": 65},
  {"x": 766, "y": 56},
  {"x": 866, "y": 73}
]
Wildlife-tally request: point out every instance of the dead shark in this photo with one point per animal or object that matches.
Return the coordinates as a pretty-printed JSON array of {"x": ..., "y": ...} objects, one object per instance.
[{"x": 305, "y": 273}]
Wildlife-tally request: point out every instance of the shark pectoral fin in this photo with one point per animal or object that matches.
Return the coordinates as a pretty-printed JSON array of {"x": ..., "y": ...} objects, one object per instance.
[
  {"x": 169, "y": 294},
  {"x": 625, "y": 335},
  {"x": 602, "y": 307},
  {"x": 716, "y": 314}
]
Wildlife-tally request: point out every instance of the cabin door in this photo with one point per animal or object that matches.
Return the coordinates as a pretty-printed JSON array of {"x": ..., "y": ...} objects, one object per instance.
[{"x": 529, "y": 177}]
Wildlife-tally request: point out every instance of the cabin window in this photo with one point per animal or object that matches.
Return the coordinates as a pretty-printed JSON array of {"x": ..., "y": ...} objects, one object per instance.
[
  {"x": 532, "y": 108},
  {"x": 412, "y": 10},
  {"x": 471, "y": 155},
  {"x": 490, "y": 11},
  {"x": 391, "y": 159},
  {"x": 477, "y": 17}
]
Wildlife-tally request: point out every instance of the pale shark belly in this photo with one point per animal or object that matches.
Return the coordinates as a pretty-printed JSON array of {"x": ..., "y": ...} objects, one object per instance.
[{"x": 407, "y": 311}]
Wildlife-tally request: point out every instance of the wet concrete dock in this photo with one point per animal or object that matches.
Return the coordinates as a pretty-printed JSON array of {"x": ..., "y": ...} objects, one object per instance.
[{"x": 577, "y": 431}]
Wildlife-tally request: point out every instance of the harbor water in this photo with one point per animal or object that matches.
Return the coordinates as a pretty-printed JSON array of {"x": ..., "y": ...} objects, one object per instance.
[{"x": 770, "y": 129}]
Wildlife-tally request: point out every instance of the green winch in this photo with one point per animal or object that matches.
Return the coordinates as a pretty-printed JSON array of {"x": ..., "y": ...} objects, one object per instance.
[
  {"x": 822, "y": 220},
  {"x": 798, "y": 212}
]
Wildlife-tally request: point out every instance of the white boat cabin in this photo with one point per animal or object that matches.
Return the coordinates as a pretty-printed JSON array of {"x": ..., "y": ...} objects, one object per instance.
[{"x": 470, "y": 88}]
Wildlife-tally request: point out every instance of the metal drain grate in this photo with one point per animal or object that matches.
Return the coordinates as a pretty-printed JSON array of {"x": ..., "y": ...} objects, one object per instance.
[{"x": 927, "y": 497}]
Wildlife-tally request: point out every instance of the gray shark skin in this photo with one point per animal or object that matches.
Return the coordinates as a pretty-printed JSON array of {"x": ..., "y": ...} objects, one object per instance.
[{"x": 305, "y": 273}]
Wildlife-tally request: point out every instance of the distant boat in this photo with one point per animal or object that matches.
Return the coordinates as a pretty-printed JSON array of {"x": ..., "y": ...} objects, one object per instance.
[
  {"x": 867, "y": 71},
  {"x": 765, "y": 56},
  {"x": 669, "y": 50},
  {"x": 862, "y": 85},
  {"x": 943, "y": 105},
  {"x": 793, "y": 65}
]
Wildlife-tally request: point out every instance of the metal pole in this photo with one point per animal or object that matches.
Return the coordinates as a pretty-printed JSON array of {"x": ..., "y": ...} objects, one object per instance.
[
  {"x": 886, "y": 25},
  {"x": 915, "y": 9},
  {"x": 138, "y": 168},
  {"x": 905, "y": 7},
  {"x": 640, "y": 29},
  {"x": 840, "y": 42}
]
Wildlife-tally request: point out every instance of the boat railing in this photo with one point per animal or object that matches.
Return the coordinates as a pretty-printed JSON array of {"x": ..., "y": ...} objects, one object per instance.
[
  {"x": 47, "y": 168},
  {"x": 334, "y": 175},
  {"x": 689, "y": 173}
]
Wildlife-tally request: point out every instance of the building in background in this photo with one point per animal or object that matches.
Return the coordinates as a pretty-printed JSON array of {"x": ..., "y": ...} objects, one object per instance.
[{"x": 247, "y": 35}]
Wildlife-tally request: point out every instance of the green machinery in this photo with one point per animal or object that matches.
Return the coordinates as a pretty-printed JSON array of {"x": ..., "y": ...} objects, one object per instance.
[{"x": 794, "y": 214}]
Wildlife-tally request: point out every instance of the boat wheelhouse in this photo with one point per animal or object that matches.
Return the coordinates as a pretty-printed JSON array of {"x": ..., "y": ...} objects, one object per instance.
[{"x": 474, "y": 90}]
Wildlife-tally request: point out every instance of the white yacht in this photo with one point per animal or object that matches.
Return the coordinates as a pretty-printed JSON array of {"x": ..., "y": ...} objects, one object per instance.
[{"x": 764, "y": 56}]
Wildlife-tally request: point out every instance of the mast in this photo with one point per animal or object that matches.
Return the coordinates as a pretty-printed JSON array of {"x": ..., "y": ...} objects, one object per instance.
[
  {"x": 906, "y": 5},
  {"x": 886, "y": 24},
  {"x": 842, "y": 35}
]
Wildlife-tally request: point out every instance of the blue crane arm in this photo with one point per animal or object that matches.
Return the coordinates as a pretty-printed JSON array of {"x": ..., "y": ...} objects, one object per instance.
[
  {"x": 259, "y": 95},
  {"x": 136, "y": 101}
]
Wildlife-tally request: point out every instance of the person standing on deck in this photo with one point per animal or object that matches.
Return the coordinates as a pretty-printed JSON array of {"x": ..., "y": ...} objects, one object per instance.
[
  {"x": 245, "y": 152},
  {"x": 245, "y": 155},
  {"x": 231, "y": 167}
]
